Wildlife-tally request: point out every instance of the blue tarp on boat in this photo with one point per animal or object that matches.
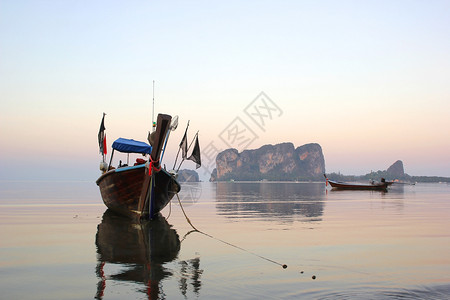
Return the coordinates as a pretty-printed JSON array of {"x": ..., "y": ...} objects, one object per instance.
[{"x": 131, "y": 146}]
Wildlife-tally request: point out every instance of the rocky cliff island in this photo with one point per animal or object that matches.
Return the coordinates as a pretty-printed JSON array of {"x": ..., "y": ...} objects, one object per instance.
[
  {"x": 271, "y": 162},
  {"x": 284, "y": 162}
]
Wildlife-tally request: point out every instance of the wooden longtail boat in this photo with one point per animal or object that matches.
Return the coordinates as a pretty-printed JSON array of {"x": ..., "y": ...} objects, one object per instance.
[
  {"x": 381, "y": 186},
  {"x": 144, "y": 189}
]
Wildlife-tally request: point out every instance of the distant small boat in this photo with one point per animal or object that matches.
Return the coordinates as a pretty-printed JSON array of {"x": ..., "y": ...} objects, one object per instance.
[
  {"x": 403, "y": 183},
  {"x": 380, "y": 186}
]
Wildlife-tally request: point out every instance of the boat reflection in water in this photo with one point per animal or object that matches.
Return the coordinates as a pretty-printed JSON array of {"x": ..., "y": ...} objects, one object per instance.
[{"x": 138, "y": 252}]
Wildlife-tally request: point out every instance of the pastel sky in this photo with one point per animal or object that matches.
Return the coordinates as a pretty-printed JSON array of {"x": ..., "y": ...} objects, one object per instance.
[{"x": 367, "y": 80}]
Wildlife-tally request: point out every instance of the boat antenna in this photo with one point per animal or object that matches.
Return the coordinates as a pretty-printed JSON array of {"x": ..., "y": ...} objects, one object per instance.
[{"x": 153, "y": 109}]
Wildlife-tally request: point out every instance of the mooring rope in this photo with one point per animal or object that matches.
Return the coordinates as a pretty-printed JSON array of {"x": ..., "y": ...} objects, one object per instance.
[
  {"x": 184, "y": 213},
  {"x": 229, "y": 244}
]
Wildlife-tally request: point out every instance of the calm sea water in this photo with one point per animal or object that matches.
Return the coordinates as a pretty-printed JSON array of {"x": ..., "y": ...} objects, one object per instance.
[{"x": 57, "y": 241}]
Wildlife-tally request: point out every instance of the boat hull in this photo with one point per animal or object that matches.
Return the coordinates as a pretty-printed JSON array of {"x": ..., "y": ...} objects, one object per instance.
[{"x": 121, "y": 190}]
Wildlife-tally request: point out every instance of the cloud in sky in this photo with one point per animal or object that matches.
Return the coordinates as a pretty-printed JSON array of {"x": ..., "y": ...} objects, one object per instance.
[{"x": 368, "y": 81}]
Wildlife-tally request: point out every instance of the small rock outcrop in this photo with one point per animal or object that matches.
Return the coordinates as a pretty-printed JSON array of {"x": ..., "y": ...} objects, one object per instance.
[
  {"x": 186, "y": 175},
  {"x": 396, "y": 170}
]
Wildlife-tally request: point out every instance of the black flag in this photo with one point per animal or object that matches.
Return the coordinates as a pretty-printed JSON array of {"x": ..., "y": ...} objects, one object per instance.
[
  {"x": 184, "y": 146},
  {"x": 195, "y": 156},
  {"x": 101, "y": 136}
]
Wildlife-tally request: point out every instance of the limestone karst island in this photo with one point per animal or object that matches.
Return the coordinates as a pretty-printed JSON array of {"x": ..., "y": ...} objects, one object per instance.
[{"x": 284, "y": 162}]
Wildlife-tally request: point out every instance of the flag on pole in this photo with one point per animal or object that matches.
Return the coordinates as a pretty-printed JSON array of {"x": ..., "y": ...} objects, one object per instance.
[
  {"x": 195, "y": 156},
  {"x": 184, "y": 146},
  {"x": 104, "y": 145},
  {"x": 102, "y": 137}
]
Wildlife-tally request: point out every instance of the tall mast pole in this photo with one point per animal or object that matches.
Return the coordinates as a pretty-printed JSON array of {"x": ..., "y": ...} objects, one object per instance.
[{"x": 153, "y": 108}]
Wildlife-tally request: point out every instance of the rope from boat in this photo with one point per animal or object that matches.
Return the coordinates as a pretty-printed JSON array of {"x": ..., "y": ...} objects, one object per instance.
[
  {"x": 229, "y": 244},
  {"x": 184, "y": 213}
]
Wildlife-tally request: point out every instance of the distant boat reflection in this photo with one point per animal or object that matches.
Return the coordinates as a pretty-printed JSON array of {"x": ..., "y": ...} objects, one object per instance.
[
  {"x": 140, "y": 251},
  {"x": 271, "y": 200}
]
